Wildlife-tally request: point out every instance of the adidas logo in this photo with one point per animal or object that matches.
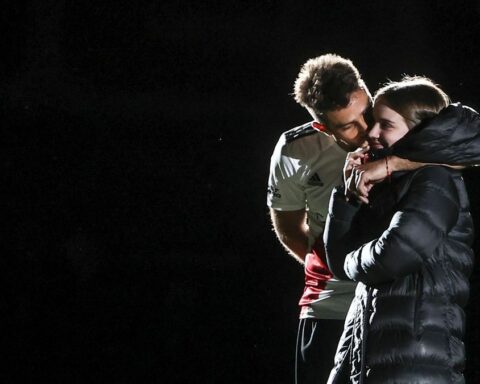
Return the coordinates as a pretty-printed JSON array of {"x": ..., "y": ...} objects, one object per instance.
[
  {"x": 315, "y": 180},
  {"x": 274, "y": 192}
]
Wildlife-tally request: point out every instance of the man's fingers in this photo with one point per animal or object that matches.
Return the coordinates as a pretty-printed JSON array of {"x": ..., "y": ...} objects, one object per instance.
[
  {"x": 350, "y": 183},
  {"x": 355, "y": 155},
  {"x": 351, "y": 189},
  {"x": 361, "y": 183},
  {"x": 349, "y": 165},
  {"x": 354, "y": 159},
  {"x": 363, "y": 199}
]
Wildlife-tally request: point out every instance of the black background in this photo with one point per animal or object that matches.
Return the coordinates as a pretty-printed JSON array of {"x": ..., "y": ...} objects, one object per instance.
[{"x": 136, "y": 139}]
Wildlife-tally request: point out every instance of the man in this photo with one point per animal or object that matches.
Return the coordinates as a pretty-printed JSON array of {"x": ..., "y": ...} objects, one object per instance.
[{"x": 305, "y": 166}]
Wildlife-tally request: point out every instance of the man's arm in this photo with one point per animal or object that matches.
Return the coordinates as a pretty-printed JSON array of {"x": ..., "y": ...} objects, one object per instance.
[
  {"x": 340, "y": 234},
  {"x": 292, "y": 231}
]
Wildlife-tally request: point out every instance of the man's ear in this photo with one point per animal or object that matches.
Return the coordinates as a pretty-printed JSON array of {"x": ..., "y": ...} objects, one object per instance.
[{"x": 318, "y": 122}]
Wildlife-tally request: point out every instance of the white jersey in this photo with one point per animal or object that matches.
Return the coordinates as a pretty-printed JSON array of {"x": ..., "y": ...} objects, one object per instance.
[{"x": 305, "y": 167}]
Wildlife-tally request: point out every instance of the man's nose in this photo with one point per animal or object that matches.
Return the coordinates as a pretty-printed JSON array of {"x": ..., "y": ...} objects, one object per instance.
[
  {"x": 374, "y": 131},
  {"x": 364, "y": 125}
]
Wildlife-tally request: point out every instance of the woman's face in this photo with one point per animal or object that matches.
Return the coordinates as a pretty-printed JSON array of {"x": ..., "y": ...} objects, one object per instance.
[{"x": 389, "y": 127}]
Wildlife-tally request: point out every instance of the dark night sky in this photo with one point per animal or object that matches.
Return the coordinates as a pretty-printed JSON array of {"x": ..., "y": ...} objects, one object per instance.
[{"x": 136, "y": 145}]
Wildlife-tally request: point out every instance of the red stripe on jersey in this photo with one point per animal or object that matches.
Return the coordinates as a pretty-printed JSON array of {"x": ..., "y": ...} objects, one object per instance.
[
  {"x": 317, "y": 274},
  {"x": 318, "y": 126}
]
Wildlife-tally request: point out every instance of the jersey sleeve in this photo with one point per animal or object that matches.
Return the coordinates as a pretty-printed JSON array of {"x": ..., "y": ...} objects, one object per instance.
[{"x": 285, "y": 192}]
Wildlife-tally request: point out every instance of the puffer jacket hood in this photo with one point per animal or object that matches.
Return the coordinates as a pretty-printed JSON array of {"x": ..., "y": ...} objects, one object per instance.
[{"x": 451, "y": 137}]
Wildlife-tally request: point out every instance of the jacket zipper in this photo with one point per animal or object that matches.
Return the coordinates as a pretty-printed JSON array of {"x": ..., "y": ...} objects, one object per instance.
[
  {"x": 418, "y": 294},
  {"x": 366, "y": 315}
]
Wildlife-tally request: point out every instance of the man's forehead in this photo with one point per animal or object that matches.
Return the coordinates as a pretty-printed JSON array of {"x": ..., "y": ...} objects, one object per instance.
[
  {"x": 358, "y": 97},
  {"x": 359, "y": 101}
]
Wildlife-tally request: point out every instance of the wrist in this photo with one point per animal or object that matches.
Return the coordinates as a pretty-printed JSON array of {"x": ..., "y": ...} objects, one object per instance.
[
  {"x": 400, "y": 164},
  {"x": 393, "y": 163},
  {"x": 387, "y": 167}
]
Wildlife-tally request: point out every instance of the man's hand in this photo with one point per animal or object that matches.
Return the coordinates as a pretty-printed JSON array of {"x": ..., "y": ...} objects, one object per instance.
[
  {"x": 352, "y": 187},
  {"x": 350, "y": 174},
  {"x": 354, "y": 159},
  {"x": 365, "y": 176}
]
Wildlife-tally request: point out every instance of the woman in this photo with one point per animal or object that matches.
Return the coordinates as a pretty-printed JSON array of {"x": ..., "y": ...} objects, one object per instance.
[{"x": 409, "y": 248}]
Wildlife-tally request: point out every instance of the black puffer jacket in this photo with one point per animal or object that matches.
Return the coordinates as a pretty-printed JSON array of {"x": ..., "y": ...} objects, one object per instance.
[
  {"x": 410, "y": 249},
  {"x": 452, "y": 137}
]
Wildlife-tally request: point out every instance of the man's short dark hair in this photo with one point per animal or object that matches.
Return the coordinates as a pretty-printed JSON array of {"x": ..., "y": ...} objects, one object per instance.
[{"x": 326, "y": 82}]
